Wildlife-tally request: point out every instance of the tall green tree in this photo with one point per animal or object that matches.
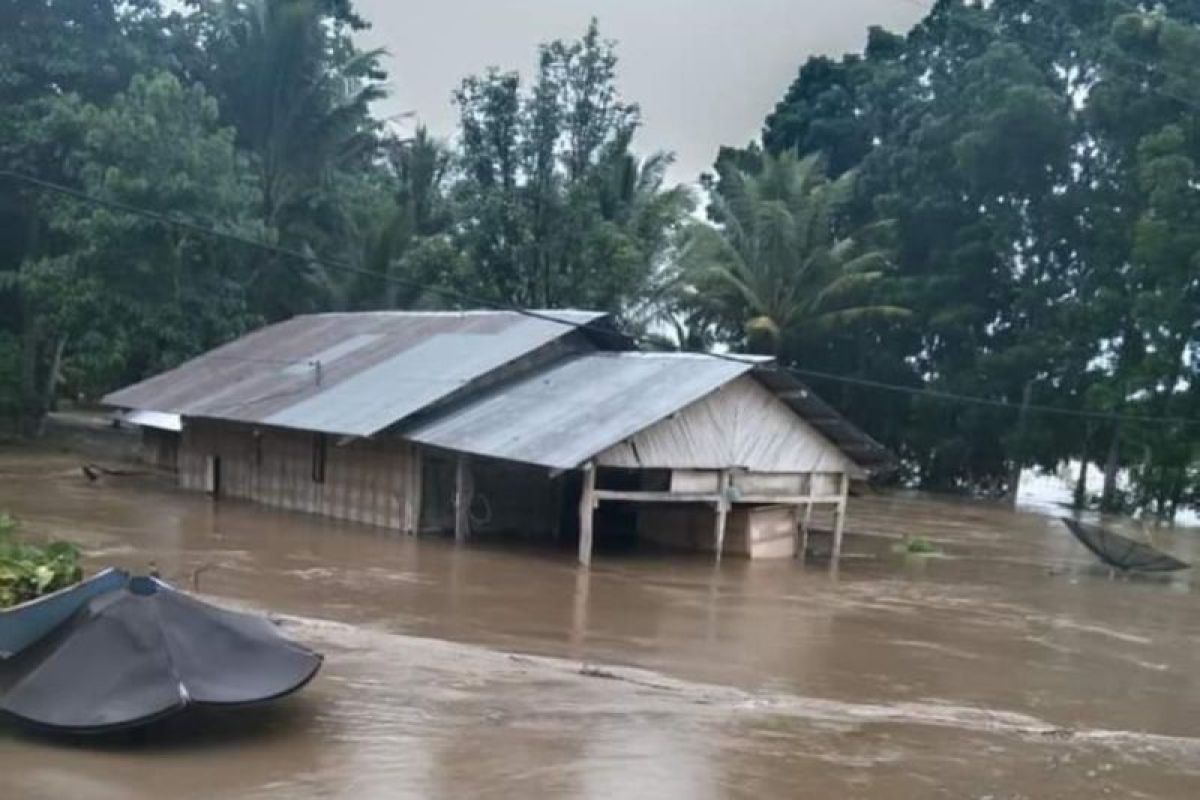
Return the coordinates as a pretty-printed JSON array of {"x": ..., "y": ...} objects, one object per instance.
[
  {"x": 1022, "y": 148},
  {"x": 410, "y": 256},
  {"x": 780, "y": 261},
  {"x": 113, "y": 296},
  {"x": 298, "y": 92},
  {"x": 51, "y": 53},
  {"x": 555, "y": 208}
]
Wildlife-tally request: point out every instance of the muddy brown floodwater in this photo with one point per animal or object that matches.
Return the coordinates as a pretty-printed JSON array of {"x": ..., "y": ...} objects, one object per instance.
[{"x": 1010, "y": 667}]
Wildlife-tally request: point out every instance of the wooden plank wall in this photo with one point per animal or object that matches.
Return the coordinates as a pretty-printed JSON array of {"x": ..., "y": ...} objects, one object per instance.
[
  {"x": 364, "y": 481},
  {"x": 742, "y": 425},
  {"x": 756, "y": 532},
  {"x": 160, "y": 449}
]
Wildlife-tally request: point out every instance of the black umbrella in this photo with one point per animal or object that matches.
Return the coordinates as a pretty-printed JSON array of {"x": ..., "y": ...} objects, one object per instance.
[
  {"x": 1121, "y": 551},
  {"x": 143, "y": 652}
]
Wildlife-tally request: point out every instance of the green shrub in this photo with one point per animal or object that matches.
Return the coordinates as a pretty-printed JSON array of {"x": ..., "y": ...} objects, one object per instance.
[
  {"x": 28, "y": 571},
  {"x": 916, "y": 546},
  {"x": 919, "y": 544}
]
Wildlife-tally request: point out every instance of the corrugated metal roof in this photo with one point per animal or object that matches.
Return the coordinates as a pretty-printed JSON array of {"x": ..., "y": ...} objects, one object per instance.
[
  {"x": 348, "y": 374},
  {"x": 568, "y": 413},
  {"x": 357, "y": 374}
]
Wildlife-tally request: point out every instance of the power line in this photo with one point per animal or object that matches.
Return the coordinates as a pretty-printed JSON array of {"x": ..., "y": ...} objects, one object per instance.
[
  {"x": 461, "y": 297},
  {"x": 964, "y": 398},
  {"x": 188, "y": 225}
]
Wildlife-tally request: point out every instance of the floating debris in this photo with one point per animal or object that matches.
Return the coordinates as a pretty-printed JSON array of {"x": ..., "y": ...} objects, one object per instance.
[{"x": 136, "y": 652}]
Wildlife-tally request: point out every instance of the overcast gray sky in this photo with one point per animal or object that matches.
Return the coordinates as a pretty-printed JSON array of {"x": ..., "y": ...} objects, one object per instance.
[{"x": 705, "y": 72}]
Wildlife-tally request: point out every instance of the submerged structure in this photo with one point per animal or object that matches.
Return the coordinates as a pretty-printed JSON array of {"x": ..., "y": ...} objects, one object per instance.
[{"x": 543, "y": 423}]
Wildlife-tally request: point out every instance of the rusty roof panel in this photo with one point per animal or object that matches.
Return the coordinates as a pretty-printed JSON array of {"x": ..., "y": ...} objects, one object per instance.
[{"x": 350, "y": 374}]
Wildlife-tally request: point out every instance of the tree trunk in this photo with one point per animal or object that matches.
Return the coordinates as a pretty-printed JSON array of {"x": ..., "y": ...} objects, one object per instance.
[
  {"x": 1112, "y": 463},
  {"x": 48, "y": 395},
  {"x": 1080, "y": 496},
  {"x": 29, "y": 414},
  {"x": 1176, "y": 494},
  {"x": 1080, "y": 499},
  {"x": 1017, "y": 458}
]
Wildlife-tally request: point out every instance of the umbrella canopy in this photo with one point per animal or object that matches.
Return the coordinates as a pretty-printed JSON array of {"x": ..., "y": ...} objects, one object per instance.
[
  {"x": 24, "y": 624},
  {"x": 146, "y": 651},
  {"x": 1121, "y": 551}
]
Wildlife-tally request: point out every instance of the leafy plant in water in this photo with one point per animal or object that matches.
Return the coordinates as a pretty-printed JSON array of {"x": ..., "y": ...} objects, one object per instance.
[
  {"x": 28, "y": 571},
  {"x": 917, "y": 545}
]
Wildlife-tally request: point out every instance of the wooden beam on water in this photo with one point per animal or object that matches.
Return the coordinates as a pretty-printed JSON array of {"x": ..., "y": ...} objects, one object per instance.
[
  {"x": 709, "y": 497},
  {"x": 657, "y": 497},
  {"x": 789, "y": 499}
]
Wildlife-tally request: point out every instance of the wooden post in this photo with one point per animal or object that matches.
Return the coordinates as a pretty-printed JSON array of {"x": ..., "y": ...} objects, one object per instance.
[
  {"x": 462, "y": 499},
  {"x": 587, "y": 508},
  {"x": 579, "y": 613},
  {"x": 722, "y": 510},
  {"x": 556, "y": 526},
  {"x": 805, "y": 525},
  {"x": 413, "y": 486},
  {"x": 840, "y": 519}
]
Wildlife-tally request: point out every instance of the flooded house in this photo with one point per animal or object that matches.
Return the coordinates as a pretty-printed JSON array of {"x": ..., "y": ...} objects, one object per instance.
[{"x": 542, "y": 424}]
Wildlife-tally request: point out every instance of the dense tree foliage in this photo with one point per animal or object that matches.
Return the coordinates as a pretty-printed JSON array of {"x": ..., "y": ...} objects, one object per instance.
[
  {"x": 1037, "y": 160},
  {"x": 253, "y": 118},
  {"x": 555, "y": 208},
  {"x": 1001, "y": 203}
]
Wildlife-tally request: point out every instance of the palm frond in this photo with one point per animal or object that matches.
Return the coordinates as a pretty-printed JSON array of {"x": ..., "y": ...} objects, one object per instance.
[{"x": 850, "y": 317}]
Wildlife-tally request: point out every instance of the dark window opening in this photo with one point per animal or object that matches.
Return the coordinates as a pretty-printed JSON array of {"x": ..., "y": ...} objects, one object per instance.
[
  {"x": 318, "y": 458},
  {"x": 214, "y": 476},
  {"x": 633, "y": 479}
]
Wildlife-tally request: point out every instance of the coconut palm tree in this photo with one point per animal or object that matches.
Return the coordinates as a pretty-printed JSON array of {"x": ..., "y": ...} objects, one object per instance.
[
  {"x": 297, "y": 91},
  {"x": 778, "y": 264}
]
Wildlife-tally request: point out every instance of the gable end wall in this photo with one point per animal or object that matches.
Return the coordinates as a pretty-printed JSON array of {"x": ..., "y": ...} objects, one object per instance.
[{"x": 741, "y": 425}]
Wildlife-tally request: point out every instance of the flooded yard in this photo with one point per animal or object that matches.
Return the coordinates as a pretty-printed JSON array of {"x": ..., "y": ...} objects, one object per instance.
[{"x": 1009, "y": 667}]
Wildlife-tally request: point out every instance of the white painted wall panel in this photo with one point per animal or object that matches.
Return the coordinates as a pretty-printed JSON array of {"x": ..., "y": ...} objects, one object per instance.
[
  {"x": 692, "y": 481},
  {"x": 741, "y": 425}
]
